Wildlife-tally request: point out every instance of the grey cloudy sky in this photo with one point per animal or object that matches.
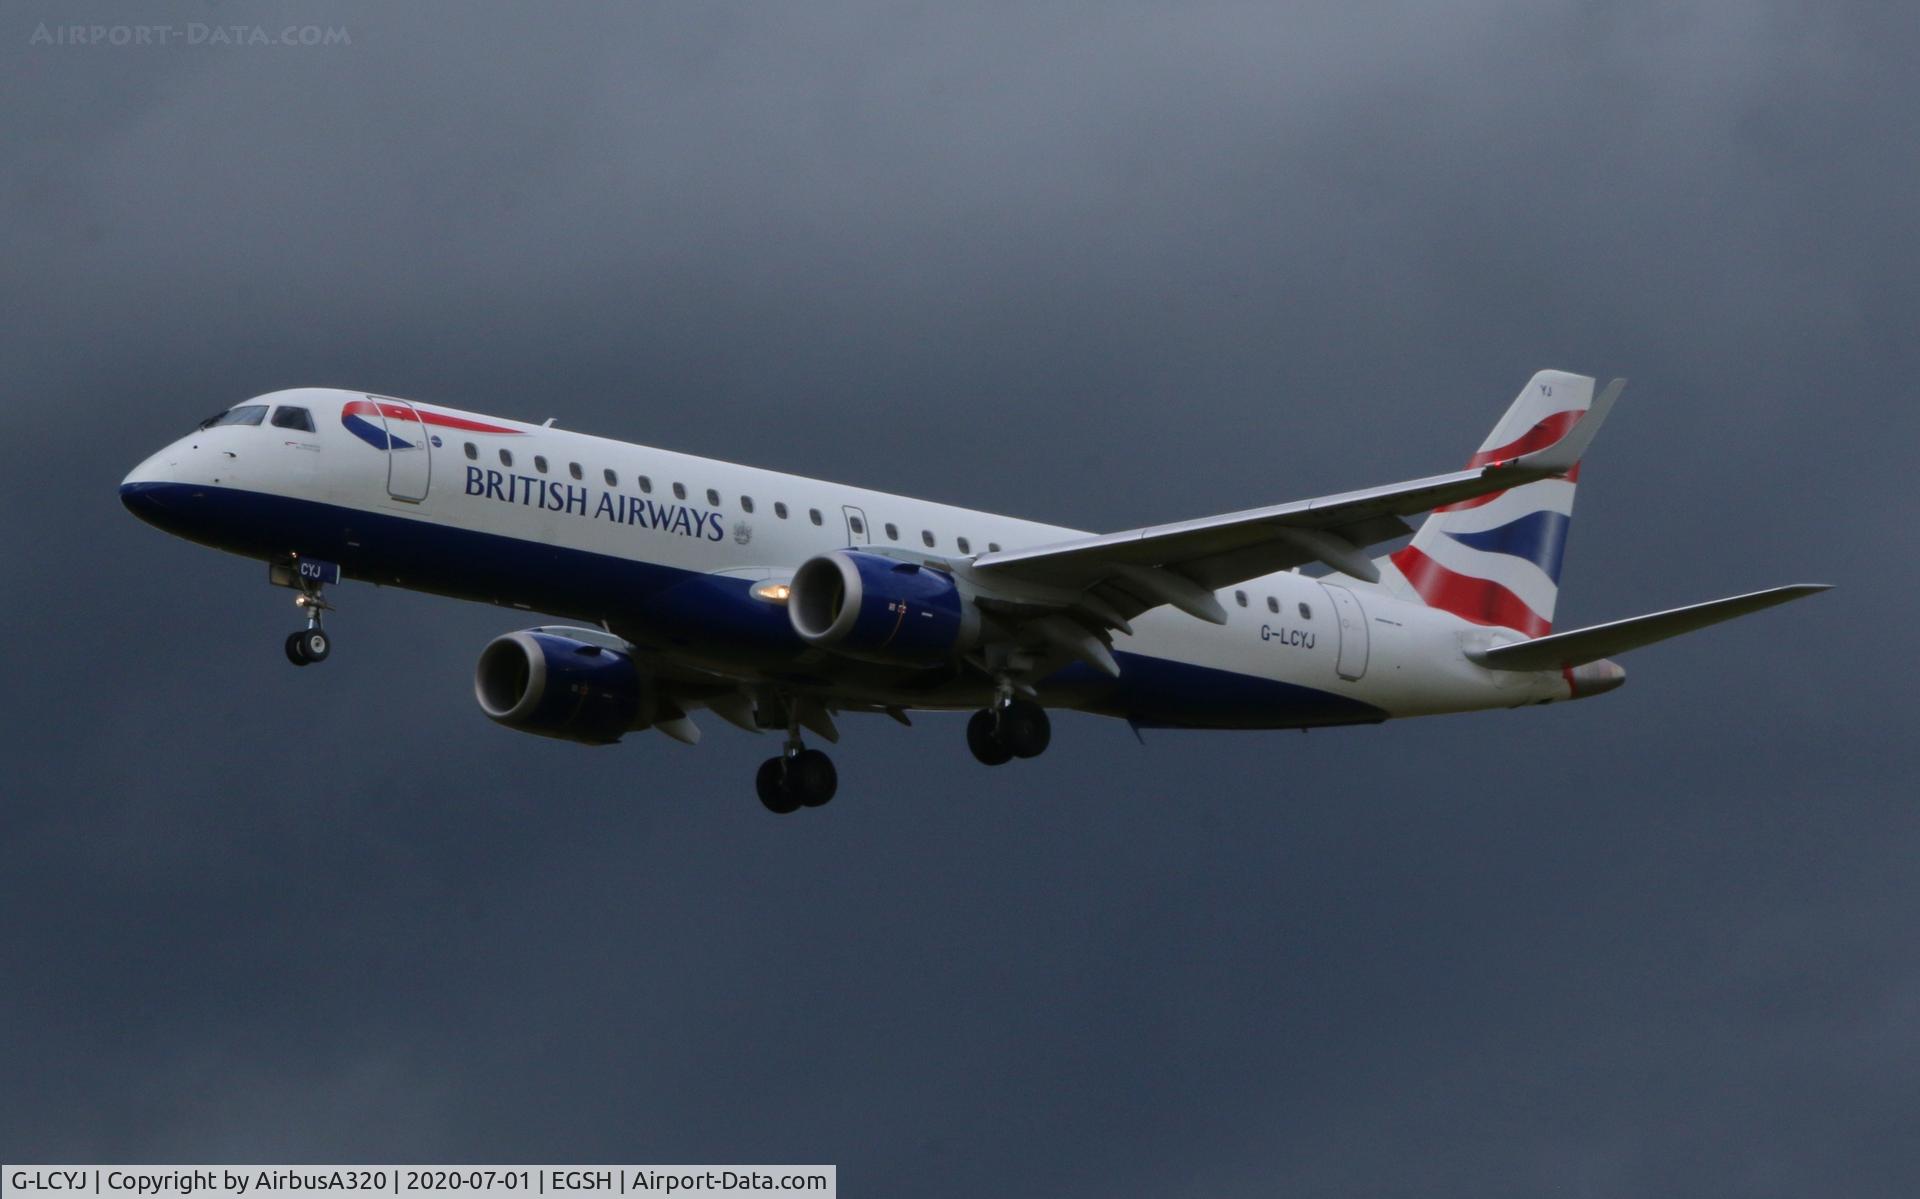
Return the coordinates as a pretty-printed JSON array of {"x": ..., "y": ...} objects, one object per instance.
[{"x": 1105, "y": 265}]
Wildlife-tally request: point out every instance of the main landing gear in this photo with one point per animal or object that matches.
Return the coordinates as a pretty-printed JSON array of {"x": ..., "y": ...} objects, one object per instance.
[
  {"x": 1012, "y": 728},
  {"x": 798, "y": 778}
]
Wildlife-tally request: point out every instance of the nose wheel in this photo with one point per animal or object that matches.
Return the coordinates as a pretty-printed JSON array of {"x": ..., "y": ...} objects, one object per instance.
[{"x": 308, "y": 646}]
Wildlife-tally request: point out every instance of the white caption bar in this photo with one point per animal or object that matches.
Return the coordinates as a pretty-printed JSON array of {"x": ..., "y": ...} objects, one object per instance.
[{"x": 368, "y": 1182}]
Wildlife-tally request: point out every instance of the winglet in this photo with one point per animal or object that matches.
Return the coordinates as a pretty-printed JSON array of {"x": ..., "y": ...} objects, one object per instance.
[{"x": 1563, "y": 455}]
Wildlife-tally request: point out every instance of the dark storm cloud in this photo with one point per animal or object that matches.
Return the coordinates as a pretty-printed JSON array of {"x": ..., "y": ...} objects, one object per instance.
[{"x": 1107, "y": 266}]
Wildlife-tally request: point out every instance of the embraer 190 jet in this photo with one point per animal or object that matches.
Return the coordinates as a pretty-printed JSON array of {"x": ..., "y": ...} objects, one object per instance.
[{"x": 778, "y": 602}]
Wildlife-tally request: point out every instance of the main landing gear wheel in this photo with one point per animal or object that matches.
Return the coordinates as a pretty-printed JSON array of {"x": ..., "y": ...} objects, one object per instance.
[
  {"x": 984, "y": 740},
  {"x": 1019, "y": 729},
  {"x": 812, "y": 777},
  {"x": 804, "y": 779},
  {"x": 1025, "y": 728},
  {"x": 771, "y": 783}
]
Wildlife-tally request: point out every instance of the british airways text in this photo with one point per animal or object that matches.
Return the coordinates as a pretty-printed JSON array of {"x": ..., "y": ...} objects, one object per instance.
[{"x": 567, "y": 497}]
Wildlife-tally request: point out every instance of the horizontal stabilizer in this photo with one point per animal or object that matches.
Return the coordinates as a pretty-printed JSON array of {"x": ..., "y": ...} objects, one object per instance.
[{"x": 1580, "y": 646}]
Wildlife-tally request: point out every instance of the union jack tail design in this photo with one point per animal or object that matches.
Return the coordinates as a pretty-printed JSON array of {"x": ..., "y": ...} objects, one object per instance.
[{"x": 1495, "y": 560}]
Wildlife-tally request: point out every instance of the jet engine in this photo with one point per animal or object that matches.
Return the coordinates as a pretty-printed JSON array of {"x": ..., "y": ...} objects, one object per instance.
[
  {"x": 543, "y": 681},
  {"x": 880, "y": 609}
]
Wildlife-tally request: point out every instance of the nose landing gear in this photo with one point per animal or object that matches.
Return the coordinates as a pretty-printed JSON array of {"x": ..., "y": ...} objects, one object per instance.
[{"x": 308, "y": 576}]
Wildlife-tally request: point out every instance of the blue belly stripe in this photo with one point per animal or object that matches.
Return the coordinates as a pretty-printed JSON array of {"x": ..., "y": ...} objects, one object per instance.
[{"x": 711, "y": 618}]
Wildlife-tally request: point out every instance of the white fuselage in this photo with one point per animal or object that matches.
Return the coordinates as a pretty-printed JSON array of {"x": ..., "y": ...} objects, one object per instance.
[{"x": 564, "y": 523}]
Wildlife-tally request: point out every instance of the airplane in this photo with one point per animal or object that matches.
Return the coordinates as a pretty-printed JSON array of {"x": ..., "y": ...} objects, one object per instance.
[{"x": 778, "y": 602}]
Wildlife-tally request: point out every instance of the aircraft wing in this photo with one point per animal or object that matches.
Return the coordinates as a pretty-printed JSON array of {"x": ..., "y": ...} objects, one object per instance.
[{"x": 1184, "y": 563}]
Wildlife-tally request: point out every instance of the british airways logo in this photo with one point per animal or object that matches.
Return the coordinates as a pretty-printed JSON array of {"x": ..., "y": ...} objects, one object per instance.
[
  {"x": 578, "y": 500},
  {"x": 387, "y": 425}
]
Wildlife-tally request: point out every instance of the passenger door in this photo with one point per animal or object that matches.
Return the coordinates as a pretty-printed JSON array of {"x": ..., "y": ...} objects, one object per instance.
[
  {"x": 409, "y": 456},
  {"x": 1354, "y": 640}
]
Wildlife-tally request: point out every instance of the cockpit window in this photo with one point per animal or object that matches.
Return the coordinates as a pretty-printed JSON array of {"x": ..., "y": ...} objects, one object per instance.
[
  {"x": 288, "y": 417},
  {"x": 245, "y": 414}
]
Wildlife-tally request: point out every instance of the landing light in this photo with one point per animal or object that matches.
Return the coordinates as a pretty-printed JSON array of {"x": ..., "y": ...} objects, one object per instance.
[{"x": 773, "y": 593}]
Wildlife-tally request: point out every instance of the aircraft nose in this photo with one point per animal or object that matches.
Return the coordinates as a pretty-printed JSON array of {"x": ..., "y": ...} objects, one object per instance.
[
  {"x": 143, "y": 490},
  {"x": 142, "y": 498}
]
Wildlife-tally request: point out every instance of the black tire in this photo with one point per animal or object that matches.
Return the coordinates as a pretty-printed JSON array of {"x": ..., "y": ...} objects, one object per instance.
[
  {"x": 294, "y": 653},
  {"x": 812, "y": 778},
  {"x": 1025, "y": 729},
  {"x": 983, "y": 738},
  {"x": 771, "y": 783},
  {"x": 315, "y": 644}
]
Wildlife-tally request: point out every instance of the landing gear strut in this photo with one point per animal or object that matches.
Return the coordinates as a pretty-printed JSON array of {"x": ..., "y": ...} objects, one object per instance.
[
  {"x": 1012, "y": 728},
  {"x": 798, "y": 778}
]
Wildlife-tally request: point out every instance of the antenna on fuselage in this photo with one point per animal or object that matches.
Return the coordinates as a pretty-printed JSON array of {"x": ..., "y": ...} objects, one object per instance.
[{"x": 548, "y": 423}]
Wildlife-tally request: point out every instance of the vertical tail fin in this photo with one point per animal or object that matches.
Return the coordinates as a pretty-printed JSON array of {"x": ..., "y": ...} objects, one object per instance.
[{"x": 1495, "y": 560}]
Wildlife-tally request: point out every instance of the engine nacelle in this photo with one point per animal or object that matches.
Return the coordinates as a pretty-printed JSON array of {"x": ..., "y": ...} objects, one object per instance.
[
  {"x": 881, "y": 609},
  {"x": 539, "y": 681}
]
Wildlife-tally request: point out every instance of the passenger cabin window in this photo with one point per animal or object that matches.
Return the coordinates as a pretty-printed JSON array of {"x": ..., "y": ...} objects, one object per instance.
[
  {"x": 1240, "y": 597},
  {"x": 965, "y": 548},
  {"x": 1273, "y": 605},
  {"x": 612, "y": 479},
  {"x": 285, "y": 417},
  {"x": 893, "y": 531},
  {"x": 858, "y": 526},
  {"x": 473, "y": 452},
  {"x": 506, "y": 458},
  {"x": 993, "y": 547},
  {"x": 646, "y": 485},
  {"x": 1306, "y": 613},
  {"x": 713, "y": 498},
  {"x": 926, "y": 535},
  {"x": 679, "y": 491},
  {"x": 540, "y": 463},
  {"x": 246, "y": 414},
  {"x": 813, "y": 514},
  {"x": 746, "y": 503},
  {"x": 573, "y": 468},
  {"x": 780, "y": 509}
]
